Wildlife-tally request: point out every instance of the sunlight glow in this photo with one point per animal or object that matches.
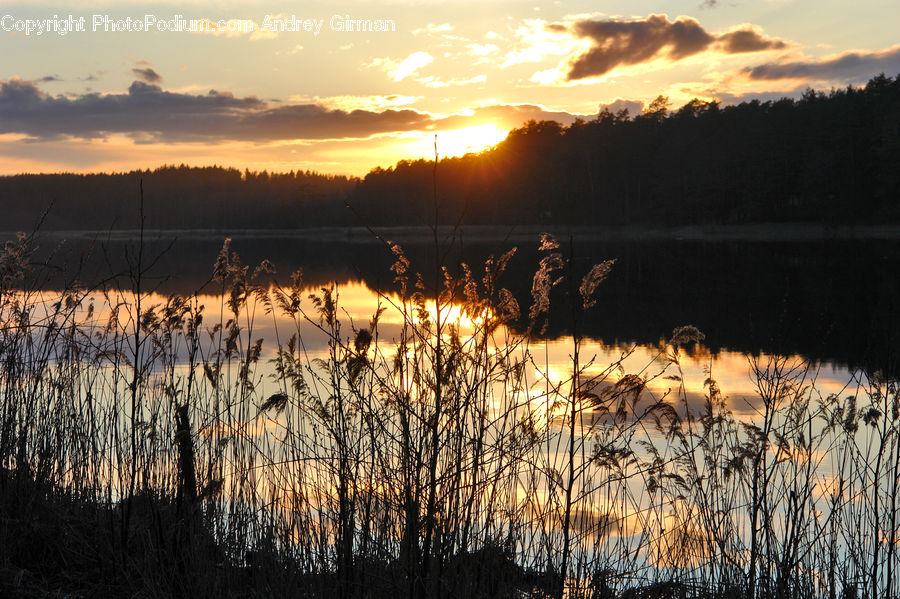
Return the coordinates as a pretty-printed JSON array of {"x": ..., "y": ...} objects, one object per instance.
[{"x": 458, "y": 142}]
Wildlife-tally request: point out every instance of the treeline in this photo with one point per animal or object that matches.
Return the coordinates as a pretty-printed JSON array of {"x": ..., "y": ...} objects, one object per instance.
[
  {"x": 174, "y": 198},
  {"x": 829, "y": 158}
]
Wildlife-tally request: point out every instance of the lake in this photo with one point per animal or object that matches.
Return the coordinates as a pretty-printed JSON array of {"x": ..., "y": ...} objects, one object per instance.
[
  {"x": 612, "y": 444},
  {"x": 830, "y": 300}
]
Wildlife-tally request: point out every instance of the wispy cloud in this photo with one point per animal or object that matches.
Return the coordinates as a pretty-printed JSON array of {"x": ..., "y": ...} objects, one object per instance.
[
  {"x": 482, "y": 49},
  {"x": 291, "y": 51},
  {"x": 374, "y": 102},
  {"x": 435, "y": 83},
  {"x": 536, "y": 40},
  {"x": 398, "y": 70}
]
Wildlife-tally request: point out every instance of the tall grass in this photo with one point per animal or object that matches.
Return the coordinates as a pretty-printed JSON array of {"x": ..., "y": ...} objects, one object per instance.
[{"x": 156, "y": 446}]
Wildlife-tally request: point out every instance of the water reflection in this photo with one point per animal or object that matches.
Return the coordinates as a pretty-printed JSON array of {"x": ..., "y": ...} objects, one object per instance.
[
  {"x": 551, "y": 358},
  {"x": 312, "y": 411},
  {"x": 831, "y": 301}
]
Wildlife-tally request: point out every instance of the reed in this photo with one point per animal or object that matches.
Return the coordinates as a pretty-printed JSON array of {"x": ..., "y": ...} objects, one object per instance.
[{"x": 158, "y": 446}]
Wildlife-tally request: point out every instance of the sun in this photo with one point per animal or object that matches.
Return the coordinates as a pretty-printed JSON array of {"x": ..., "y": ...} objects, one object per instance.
[
  {"x": 450, "y": 142},
  {"x": 474, "y": 139}
]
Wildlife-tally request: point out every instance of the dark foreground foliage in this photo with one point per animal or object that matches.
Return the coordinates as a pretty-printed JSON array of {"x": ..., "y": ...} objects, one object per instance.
[
  {"x": 156, "y": 446},
  {"x": 57, "y": 545}
]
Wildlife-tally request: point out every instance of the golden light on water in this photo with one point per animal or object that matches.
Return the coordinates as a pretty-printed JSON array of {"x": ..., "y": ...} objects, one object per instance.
[{"x": 550, "y": 362}]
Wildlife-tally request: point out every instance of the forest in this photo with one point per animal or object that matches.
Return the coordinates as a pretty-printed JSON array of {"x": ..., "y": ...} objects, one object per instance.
[
  {"x": 175, "y": 197},
  {"x": 828, "y": 158}
]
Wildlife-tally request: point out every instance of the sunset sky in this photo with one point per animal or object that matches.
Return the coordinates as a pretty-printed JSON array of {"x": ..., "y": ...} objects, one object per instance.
[{"x": 346, "y": 101}]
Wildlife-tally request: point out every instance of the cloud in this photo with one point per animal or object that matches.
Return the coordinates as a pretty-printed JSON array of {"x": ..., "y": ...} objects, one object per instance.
[
  {"x": 48, "y": 79},
  {"x": 615, "y": 43},
  {"x": 438, "y": 83},
  {"x": 748, "y": 39},
  {"x": 148, "y": 114},
  {"x": 633, "y": 107},
  {"x": 631, "y": 42},
  {"x": 728, "y": 98},
  {"x": 148, "y": 75},
  {"x": 400, "y": 70},
  {"x": 849, "y": 66},
  {"x": 482, "y": 49},
  {"x": 537, "y": 40},
  {"x": 263, "y": 34},
  {"x": 359, "y": 102},
  {"x": 295, "y": 50}
]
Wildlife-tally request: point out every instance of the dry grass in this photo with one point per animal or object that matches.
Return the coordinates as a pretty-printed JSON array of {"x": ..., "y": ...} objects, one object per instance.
[{"x": 154, "y": 450}]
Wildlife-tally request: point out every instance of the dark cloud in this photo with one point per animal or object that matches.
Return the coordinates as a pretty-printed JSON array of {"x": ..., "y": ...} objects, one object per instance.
[
  {"x": 48, "y": 79},
  {"x": 747, "y": 40},
  {"x": 148, "y": 75},
  {"x": 631, "y": 42},
  {"x": 151, "y": 113},
  {"x": 849, "y": 67},
  {"x": 148, "y": 114}
]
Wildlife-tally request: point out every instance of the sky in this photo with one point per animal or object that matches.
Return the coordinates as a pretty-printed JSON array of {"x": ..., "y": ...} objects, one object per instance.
[{"x": 345, "y": 86}]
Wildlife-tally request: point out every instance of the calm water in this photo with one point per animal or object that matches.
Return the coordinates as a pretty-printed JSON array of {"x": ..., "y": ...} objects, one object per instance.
[
  {"x": 834, "y": 302},
  {"x": 831, "y": 305}
]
